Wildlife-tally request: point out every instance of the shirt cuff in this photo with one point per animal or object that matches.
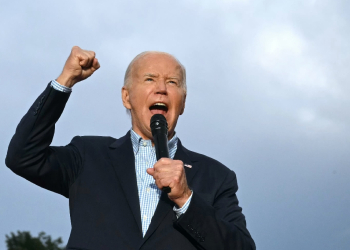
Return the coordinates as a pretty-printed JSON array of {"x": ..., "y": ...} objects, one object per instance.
[
  {"x": 183, "y": 209},
  {"x": 60, "y": 87}
]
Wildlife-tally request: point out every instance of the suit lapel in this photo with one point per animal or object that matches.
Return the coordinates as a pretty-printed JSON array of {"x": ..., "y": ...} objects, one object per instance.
[
  {"x": 123, "y": 160},
  {"x": 165, "y": 205}
]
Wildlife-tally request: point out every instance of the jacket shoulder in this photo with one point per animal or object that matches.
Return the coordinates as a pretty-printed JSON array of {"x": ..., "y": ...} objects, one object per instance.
[
  {"x": 97, "y": 139},
  {"x": 91, "y": 141},
  {"x": 207, "y": 162}
]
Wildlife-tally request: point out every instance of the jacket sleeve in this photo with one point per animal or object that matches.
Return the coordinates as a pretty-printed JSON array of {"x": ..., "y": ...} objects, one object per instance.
[
  {"x": 220, "y": 225},
  {"x": 30, "y": 155}
]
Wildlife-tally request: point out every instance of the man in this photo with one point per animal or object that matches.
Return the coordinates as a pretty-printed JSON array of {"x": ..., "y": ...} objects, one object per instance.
[{"x": 114, "y": 185}]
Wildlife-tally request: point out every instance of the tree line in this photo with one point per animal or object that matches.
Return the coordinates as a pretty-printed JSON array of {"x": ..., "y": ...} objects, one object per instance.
[{"x": 23, "y": 240}]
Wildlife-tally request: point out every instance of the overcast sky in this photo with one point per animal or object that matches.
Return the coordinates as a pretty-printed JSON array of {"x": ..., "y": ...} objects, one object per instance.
[{"x": 268, "y": 96}]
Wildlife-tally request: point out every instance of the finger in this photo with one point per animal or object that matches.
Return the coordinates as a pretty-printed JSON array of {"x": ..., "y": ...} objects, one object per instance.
[
  {"x": 178, "y": 162},
  {"x": 171, "y": 179},
  {"x": 95, "y": 64},
  {"x": 162, "y": 183},
  {"x": 176, "y": 180},
  {"x": 84, "y": 60},
  {"x": 150, "y": 171},
  {"x": 163, "y": 169},
  {"x": 165, "y": 160},
  {"x": 87, "y": 72},
  {"x": 165, "y": 163},
  {"x": 162, "y": 163},
  {"x": 78, "y": 53},
  {"x": 87, "y": 58},
  {"x": 167, "y": 174},
  {"x": 91, "y": 53}
]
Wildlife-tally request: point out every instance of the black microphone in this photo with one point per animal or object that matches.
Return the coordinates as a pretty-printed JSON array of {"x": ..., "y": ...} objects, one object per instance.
[{"x": 159, "y": 128}]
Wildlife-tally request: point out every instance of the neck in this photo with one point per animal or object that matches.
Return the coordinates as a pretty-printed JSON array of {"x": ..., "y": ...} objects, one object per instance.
[{"x": 150, "y": 137}]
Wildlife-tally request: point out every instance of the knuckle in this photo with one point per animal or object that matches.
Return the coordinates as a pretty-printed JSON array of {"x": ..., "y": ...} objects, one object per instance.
[
  {"x": 157, "y": 184},
  {"x": 86, "y": 55},
  {"x": 179, "y": 162},
  {"x": 161, "y": 183},
  {"x": 179, "y": 168},
  {"x": 176, "y": 179}
]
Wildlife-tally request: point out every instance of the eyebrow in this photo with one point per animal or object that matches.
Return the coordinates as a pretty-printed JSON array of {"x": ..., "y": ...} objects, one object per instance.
[
  {"x": 155, "y": 76},
  {"x": 173, "y": 78},
  {"x": 150, "y": 75}
]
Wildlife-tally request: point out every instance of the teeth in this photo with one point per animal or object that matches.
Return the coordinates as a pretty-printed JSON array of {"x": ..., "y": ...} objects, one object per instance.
[{"x": 160, "y": 104}]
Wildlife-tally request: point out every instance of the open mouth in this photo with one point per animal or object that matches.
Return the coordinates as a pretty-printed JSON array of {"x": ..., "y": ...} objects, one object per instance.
[{"x": 159, "y": 108}]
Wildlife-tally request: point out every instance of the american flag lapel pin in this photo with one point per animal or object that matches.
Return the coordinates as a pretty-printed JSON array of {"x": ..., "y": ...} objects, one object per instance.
[{"x": 188, "y": 165}]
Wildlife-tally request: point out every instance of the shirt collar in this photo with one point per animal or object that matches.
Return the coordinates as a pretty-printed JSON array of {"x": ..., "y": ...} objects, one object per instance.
[{"x": 137, "y": 141}]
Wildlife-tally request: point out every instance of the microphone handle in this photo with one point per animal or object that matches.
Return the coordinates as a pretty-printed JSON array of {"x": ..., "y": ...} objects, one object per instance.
[{"x": 162, "y": 151}]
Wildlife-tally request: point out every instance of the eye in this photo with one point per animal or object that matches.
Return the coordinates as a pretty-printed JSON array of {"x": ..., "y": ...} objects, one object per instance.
[
  {"x": 172, "y": 82},
  {"x": 149, "y": 80}
]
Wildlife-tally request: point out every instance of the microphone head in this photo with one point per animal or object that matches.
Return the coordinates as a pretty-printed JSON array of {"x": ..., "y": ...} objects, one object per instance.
[{"x": 159, "y": 124}]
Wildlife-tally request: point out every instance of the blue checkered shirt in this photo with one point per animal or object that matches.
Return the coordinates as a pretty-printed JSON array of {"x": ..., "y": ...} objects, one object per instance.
[{"x": 145, "y": 157}]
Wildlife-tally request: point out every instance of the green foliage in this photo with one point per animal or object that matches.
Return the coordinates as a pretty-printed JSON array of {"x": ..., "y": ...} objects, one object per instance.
[{"x": 25, "y": 241}]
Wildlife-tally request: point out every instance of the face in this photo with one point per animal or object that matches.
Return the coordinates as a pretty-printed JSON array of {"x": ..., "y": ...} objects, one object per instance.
[{"x": 156, "y": 88}]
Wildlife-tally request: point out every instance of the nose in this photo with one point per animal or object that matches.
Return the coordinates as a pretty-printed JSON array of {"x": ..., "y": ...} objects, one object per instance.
[{"x": 161, "y": 87}]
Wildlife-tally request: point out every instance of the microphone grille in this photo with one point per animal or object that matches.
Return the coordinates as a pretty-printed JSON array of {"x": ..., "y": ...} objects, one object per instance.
[{"x": 158, "y": 121}]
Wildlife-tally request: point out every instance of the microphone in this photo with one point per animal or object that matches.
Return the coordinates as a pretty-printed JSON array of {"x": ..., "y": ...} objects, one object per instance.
[{"x": 159, "y": 128}]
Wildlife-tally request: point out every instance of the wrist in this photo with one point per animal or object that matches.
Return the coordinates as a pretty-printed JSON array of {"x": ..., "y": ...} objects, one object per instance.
[
  {"x": 183, "y": 199},
  {"x": 65, "y": 81}
]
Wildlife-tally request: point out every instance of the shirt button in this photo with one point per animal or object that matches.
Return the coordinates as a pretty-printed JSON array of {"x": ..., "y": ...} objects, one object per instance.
[
  {"x": 148, "y": 189},
  {"x": 144, "y": 144},
  {"x": 145, "y": 217}
]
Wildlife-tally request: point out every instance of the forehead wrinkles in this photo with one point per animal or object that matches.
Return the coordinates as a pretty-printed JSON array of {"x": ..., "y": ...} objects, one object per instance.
[{"x": 152, "y": 63}]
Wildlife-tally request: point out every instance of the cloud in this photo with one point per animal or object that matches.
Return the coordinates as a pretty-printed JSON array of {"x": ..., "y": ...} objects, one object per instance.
[
  {"x": 284, "y": 54},
  {"x": 315, "y": 124}
]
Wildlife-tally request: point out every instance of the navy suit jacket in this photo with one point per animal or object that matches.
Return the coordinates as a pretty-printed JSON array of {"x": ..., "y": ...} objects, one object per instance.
[{"x": 98, "y": 176}]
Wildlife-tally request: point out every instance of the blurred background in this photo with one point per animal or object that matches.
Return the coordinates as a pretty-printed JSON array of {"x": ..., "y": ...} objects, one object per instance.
[{"x": 268, "y": 96}]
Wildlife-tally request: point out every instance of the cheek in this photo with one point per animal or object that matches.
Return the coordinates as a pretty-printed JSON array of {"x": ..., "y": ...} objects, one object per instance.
[
  {"x": 135, "y": 101},
  {"x": 138, "y": 99}
]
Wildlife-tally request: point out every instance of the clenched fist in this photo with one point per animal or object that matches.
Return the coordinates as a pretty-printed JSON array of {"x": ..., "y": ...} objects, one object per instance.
[
  {"x": 80, "y": 65},
  {"x": 171, "y": 173}
]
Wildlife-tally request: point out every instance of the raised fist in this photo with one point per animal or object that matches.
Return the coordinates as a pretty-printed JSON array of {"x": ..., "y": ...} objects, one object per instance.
[{"x": 80, "y": 65}]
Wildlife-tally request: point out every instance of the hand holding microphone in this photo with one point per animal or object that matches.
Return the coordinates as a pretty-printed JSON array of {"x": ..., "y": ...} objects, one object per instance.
[
  {"x": 159, "y": 128},
  {"x": 168, "y": 174}
]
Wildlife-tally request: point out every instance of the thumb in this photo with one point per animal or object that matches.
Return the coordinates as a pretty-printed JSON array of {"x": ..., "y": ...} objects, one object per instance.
[{"x": 150, "y": 171}]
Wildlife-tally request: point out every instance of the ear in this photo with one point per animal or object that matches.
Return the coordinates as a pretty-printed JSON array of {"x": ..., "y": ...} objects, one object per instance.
[
  {"x": 125, "y": 97},
  {"x": 183, "y": 104}
]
